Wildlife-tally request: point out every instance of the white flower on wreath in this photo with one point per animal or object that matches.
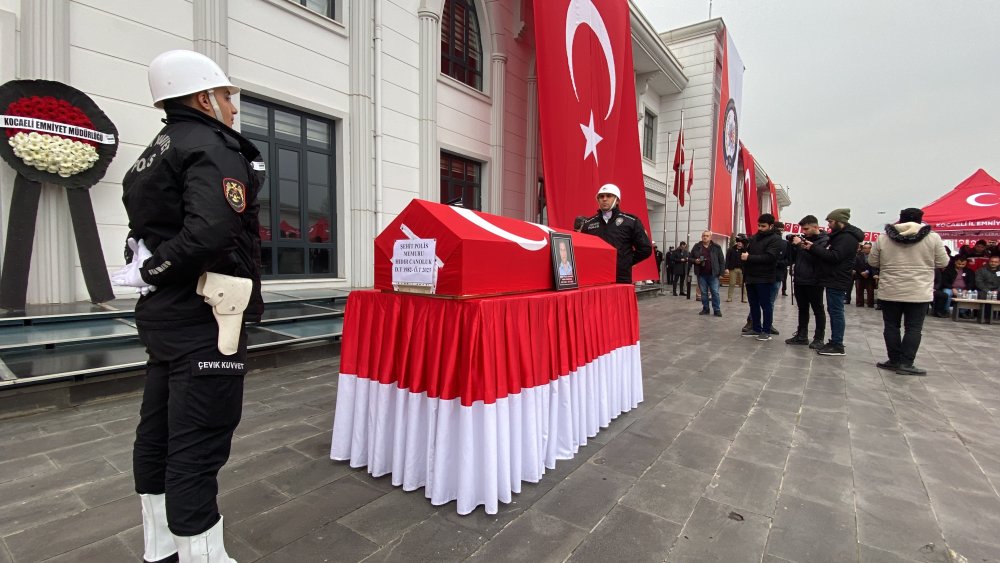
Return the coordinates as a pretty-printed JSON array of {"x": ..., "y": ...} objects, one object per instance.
[{"x": 53, "y": 154}]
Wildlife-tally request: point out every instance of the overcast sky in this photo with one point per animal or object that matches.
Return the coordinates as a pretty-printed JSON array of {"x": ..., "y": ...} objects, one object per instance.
[{"x": 874, "y": 105}]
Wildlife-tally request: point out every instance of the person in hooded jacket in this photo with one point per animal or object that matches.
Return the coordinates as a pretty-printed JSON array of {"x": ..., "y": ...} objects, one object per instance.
[
  {"x": 836, "y": 258},
  {"x": 759, "y": 275},
  {"x": 806, "y": 287},
  {"x": 907, "y": 258},
  {"x": 194, "y": 254}
]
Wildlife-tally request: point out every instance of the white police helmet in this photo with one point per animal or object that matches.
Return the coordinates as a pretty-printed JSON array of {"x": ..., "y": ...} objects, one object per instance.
[
  {"x": 610, "y": 189},
  {"x": 180, "y": 72}
]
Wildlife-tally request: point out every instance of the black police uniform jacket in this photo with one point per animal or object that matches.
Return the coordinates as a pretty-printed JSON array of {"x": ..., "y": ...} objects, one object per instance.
[
  {"x": 626, "y": 234},
  {"x": 192, "y": 197}
]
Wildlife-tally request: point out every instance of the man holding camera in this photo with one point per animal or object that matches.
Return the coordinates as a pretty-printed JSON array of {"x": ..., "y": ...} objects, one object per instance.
[
  {"x": 806, "y": 284},
  {"x": 709, "y": 264},
  {"x": 837, "y": 258},
  {"x": 734, "y": 268}
]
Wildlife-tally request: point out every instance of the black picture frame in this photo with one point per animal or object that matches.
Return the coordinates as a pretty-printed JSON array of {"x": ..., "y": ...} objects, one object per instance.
[{"x": 563, "y": 280}]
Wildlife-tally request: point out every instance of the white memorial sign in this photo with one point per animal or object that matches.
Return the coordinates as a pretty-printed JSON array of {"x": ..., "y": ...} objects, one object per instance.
[{"x": 414, "y": 264}]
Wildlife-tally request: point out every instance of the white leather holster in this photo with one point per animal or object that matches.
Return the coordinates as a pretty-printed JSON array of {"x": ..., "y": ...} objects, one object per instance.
[{"x": 228, "y": 296}]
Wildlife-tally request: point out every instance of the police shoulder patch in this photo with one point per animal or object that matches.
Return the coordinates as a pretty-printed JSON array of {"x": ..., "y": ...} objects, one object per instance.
[{"x": 236, "y": 194}]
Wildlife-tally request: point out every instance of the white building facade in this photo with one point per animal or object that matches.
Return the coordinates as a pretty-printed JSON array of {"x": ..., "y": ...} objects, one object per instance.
[{"x": 358, "y": 107}]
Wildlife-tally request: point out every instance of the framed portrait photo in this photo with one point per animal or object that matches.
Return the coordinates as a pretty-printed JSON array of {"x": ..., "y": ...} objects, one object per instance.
[{"x": 563, "y": 261}]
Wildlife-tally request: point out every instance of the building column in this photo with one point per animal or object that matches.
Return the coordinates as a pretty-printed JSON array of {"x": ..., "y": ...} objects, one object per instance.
[
  {"x": 361, "y": 124},
  {"x": 498, "y": 70},
  {"x": 531, "y": 154},
  {"x": 430, "y": 68},
  {"x": 45, "y": 55},
  {"x": 211, "y": 30}
]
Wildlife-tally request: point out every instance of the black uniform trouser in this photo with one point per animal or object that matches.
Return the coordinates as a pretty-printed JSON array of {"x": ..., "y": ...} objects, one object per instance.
[
  {"x": 902, "y": 350},
  {"x": 191, "y": 405},
  {"x": 810, "y": 297}
]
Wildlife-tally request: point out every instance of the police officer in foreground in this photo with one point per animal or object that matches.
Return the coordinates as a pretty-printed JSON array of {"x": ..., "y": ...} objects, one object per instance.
[
  {"x": 621, "y": 230},
  {"x": 194, "y": 255}
]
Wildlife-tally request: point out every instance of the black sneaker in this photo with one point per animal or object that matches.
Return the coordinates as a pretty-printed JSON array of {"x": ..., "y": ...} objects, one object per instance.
[
  {"x": 748, "y": 333},
  {"x": 831, "y": 349},
  {"x": 774, "y": 331},
  {"x": 763, "y": 337},
  {"x": 797, "y": 340},
  {"x": 704, "y": 312},
  {"x": 911, "y": 370},
  {"x": 893, "y": 366},
  {"x": 816, "y": 344},
  {"x": 718, "y": 313}
]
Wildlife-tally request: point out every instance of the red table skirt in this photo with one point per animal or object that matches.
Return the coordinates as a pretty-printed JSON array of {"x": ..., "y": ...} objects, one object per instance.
[{"x": 468, "y": 398}]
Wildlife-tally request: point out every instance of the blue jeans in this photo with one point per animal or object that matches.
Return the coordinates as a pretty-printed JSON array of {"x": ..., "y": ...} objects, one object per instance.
[
  {"x": 706, "y": 283},
  {"x": 835, "y": 306},
  {"x": 761, "y": 307},
  {"x": 774, "y": 292}
]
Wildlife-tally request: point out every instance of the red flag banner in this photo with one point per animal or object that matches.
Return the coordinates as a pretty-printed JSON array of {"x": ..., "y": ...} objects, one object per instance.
[
  {"x": 586, "y": 106},
  {"x": 679, "y": 168},
  {"x": 750, "y": 207},
  {"x": 727, "y": 139},
  {"x": 690, "y": 173}
]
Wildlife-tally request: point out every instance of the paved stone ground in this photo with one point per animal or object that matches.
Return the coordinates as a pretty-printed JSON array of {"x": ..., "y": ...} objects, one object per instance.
[{"x": 742, "y": 451}]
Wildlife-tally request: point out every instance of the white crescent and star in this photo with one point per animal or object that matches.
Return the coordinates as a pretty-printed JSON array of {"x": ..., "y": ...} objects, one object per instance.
[
  {"x": 974, "y": 199},
  {"x": 585, "y": 13}
]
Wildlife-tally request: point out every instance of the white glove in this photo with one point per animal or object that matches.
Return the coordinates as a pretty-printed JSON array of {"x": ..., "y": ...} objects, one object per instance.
[{"x": 129, "y": 275}]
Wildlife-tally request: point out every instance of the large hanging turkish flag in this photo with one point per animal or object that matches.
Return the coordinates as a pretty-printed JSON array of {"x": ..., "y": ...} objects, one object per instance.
[{"x": 586, "y": 102}]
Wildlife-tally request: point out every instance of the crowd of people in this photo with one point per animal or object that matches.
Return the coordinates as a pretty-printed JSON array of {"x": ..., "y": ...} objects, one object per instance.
[
  {"x": 904, "y": 274},
  {"x": 900, "y": 274}
]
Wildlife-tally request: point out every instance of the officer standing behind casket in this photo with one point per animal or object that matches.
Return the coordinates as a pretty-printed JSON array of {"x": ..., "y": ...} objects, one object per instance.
[
  {"x": 621, "y": 230},
  {"x": 194, "y": 254}
]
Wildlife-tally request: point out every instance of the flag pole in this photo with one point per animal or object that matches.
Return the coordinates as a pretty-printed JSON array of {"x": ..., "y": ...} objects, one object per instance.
[
  {"x": 663, "y": 241},
  {"x": 690, "y": 205}
]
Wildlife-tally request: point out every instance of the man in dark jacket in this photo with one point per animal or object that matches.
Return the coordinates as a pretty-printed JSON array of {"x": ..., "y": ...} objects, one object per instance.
[
  {"x": 837, "y": 264},
  {"x": 865, "y": 277},
  {"x": 734, "y": 268},
  {"x": 759, "y": 274},
  {"x": 678, "y": 265},
  {"x": 806, "y": 287},
  {"x": 709, "y": 263},
  {"x": 194, "y": 252},
  {"x": 619, "y": 229}
]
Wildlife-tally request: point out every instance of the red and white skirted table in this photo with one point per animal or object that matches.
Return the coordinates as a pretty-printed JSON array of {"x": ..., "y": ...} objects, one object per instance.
[{"x": 468, "y": 398}]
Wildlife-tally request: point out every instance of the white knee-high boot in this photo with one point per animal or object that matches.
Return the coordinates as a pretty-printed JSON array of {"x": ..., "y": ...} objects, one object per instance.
[
  {"x": 159, "y": 543},
  {"x": 206, "y": 547}
]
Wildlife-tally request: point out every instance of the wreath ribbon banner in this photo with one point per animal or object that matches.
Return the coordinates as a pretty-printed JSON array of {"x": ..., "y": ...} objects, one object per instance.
[{"x": 45, "y": 126}]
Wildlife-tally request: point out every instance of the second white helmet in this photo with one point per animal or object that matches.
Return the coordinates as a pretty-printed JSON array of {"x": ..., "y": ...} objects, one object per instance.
[{"x": 178, "y": 73}]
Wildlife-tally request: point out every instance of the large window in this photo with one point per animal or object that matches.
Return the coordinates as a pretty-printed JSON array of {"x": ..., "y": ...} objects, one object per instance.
[
  {"x": 461, "y": 181},
  {"x": 298, "y": 201},
  {"x": 649, "y": 136},
  {"x": 324, "y": 7},
  {"x": 461, "y": 46}
]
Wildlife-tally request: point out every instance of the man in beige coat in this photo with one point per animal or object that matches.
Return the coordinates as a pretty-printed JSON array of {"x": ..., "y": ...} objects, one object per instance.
[{"x": 907, "y": 257}]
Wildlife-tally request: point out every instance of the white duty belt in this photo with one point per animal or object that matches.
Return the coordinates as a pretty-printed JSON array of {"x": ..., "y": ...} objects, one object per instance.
[{"x": 228, "y": 296}]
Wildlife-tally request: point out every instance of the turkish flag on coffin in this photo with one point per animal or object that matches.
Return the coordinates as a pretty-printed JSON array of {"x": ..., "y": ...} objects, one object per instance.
[
  {"x": 586, "y": 101},
  {"x": 483, "y": 254}
]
